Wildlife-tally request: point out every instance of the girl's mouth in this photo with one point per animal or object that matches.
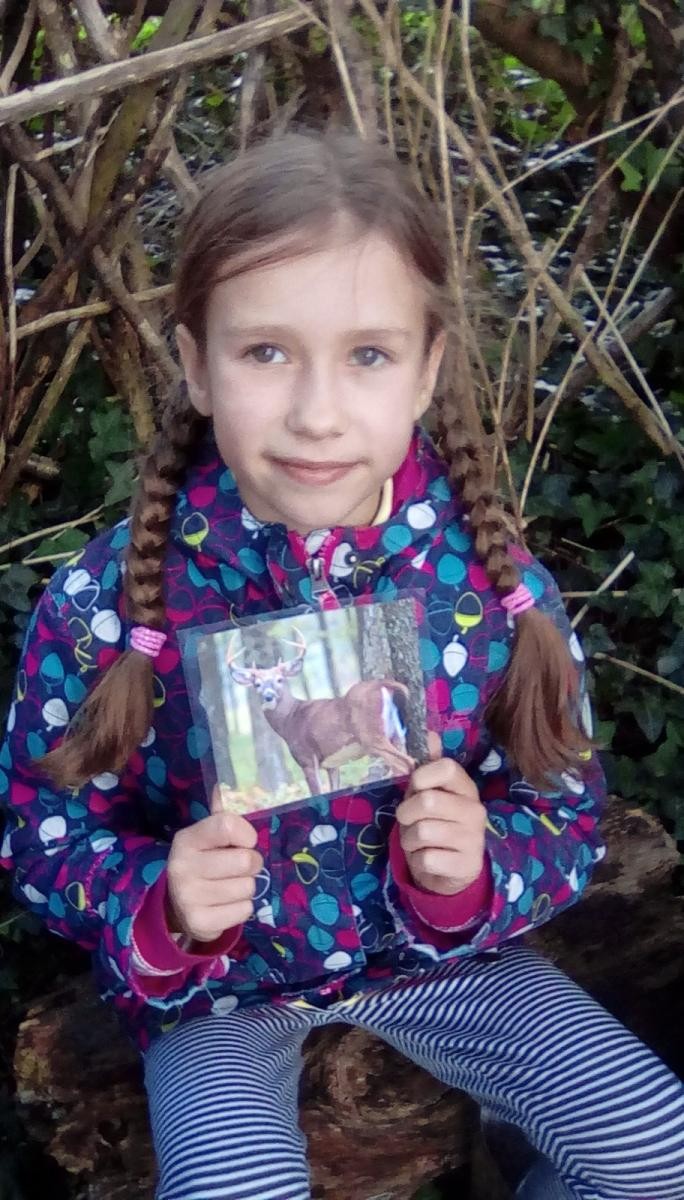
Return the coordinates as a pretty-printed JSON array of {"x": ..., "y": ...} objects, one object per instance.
[{"x": 314, "y": 473}]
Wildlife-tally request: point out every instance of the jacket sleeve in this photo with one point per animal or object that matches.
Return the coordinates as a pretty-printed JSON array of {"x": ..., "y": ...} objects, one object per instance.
[
  {"x": 82, "y": 859},
  {"x": 541, "y": 846}
]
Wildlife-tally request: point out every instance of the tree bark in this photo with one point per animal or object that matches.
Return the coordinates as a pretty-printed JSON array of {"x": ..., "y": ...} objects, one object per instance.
[{"x": 99, "y": 81}]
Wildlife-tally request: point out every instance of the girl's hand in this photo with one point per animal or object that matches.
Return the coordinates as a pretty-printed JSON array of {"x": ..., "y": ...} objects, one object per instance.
[
  {"x": 210, "y": 875},
  {"x": 442, "y": 825}
]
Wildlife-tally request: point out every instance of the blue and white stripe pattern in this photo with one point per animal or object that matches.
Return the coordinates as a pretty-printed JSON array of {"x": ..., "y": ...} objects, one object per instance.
[{"x": 508, "y": 1028}]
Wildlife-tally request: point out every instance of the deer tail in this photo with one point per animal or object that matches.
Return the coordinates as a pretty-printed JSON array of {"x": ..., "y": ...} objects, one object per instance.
[{"x": 394, "y": 708}]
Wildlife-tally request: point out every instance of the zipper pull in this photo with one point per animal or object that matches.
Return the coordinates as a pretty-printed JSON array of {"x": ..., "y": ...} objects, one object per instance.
[
  {"x": 319, "y": 582},
  {"x": 323, "y": 594}
]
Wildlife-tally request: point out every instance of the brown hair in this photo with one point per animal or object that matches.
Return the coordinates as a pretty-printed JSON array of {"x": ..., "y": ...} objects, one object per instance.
[{"x": 277, "y": 200}]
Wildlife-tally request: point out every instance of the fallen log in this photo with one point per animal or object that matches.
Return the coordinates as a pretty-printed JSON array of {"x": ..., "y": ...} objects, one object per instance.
[{"x": 378, "y": 1127}]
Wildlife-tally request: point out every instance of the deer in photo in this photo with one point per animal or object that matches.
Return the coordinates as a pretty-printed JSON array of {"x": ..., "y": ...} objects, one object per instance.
[{"x": 324, "y": 734}]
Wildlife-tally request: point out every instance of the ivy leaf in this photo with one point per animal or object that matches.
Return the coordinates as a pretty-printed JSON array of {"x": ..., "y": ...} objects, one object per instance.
[
  {"x": 649, "y": 716},
  {"x": 112, "y": 433},
  {"x": 633, "y": 179},
  {"x": 60, "y": 543},
  {"x": 663, "y": 762},
  {"x": 122, "y": 475},
  {"x": 673, "y": 658},
  {"x": 591, "y": 511},
  {"x": 15, "y": 587},
  {"x": 596, "y": 639},
  {"x": 653, "y": 587}
]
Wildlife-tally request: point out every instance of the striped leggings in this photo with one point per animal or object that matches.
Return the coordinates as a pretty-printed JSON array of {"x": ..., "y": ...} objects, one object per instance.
[{"x": 510, "y": 1029}]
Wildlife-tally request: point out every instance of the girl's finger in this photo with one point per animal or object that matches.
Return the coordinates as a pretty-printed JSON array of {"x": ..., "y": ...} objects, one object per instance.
[
  {"x": 228, "y": 863},
  {"x": 442, "y": 773},
  {"x": 217, "y": 921},
  {"x": 434, "y": 742},
  {"x": 448, "y": 864},
  {"x": 446, "y": 806},
  {"x": 440, "y": 835}
]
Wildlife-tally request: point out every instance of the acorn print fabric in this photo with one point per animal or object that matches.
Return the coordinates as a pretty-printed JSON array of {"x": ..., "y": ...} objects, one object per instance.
[{"x": 330, "y": 919}]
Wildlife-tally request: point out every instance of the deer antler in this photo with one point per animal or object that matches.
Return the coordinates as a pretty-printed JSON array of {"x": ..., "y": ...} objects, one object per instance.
[
  {"x": 232, "y": 655},
  {"x": 299, "y": 645}
]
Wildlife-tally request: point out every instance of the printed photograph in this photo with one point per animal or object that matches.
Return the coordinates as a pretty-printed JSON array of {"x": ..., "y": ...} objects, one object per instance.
[{"x": 312, "y": 704}]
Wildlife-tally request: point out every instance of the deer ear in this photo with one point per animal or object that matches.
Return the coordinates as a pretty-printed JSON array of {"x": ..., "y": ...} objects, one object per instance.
[
  {"x": 242, "y": 675},
  {"x": 293, "y": 667}
]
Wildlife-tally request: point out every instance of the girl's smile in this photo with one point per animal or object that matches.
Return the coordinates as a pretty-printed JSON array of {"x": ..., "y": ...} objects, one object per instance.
[{"x": 313, "y": 474}]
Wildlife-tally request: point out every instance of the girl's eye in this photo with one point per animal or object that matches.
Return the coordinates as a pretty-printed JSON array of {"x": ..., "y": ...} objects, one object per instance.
[
  {"x": 369, "y": 356},
  {"x": 264, "y": 354}
]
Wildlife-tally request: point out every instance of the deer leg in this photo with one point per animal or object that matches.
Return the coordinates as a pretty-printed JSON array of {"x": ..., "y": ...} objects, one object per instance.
[
  {"x": 312, "y": 776},
  {"x": 334, "y": 777},
  {"x": 401, "y": 763}
]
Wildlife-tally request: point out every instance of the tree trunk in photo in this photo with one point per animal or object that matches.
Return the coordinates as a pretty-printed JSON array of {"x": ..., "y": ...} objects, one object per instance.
[
  {"x": 213, "y": 703},
  {"x": 402, "y": 634},
  {"x": 375, "y": 650},
  {"x": 335, "y": 686}
]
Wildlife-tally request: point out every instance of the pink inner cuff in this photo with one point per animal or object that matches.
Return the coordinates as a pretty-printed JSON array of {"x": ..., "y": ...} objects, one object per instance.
[
  {"x": 155, "y": 944},
  {"x": 442, "y": 914}
]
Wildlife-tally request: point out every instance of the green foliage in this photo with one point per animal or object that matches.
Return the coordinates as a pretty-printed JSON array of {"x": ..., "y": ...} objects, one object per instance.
[
  {"x": 146, "y": 32},
  {"x": 606, "y": 492}
]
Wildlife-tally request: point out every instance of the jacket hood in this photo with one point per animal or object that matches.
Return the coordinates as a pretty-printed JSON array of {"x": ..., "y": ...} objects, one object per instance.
[{"x": 212, "y": 526}]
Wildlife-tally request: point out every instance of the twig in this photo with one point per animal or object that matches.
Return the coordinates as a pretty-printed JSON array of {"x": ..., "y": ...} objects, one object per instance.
[
  {"x": 646, "y": 256},
  {"x": 52, "y": 529},
  {"x": 9, "y": 276},
  {"x": 43, "y": 558},
  {"x": 636, "y": 216},
  {"x": 557, "y": 397},
  {"x": 583, "y": 375},
  {"x": 653, "y": 115},
  {"x": 19, "y": 48},
  {"x": 602, "y": 587},
  {"x": 599, "y": 301},
  {"x": 47, "y": 405},
  {"x": 98, "y": 81},
  {"x": 627, "y": 666},
  {"x": 98, "y": 29},
  {"x": 335, "y": 18},
  {"x": 96, "y": 308},
  {"x": 520, "y": 235},
  {"x": 20, "y": 144}
]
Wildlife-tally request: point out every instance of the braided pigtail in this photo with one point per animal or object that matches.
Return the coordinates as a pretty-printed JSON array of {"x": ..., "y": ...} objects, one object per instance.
[
  {"x": 115, "y": 717},
  {"x": 531, "y": 713}
]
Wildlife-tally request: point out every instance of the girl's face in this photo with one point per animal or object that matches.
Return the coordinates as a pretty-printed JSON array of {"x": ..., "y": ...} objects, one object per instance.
[{"x": 314, "y": 373}]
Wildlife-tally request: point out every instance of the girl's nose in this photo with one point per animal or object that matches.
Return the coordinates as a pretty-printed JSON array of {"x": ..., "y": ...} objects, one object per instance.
[{"x": 316, "y": 407}]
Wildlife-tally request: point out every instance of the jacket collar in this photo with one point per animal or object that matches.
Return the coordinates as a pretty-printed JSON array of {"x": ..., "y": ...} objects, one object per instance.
[{"x": 212, "y": 526}]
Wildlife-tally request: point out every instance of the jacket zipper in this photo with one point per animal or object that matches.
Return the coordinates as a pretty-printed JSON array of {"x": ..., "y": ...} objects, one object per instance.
[{"x": 321, "y": 590}]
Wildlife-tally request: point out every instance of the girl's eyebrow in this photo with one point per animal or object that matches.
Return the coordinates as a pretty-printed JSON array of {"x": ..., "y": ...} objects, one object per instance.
[{"x": 283, "y": 331}]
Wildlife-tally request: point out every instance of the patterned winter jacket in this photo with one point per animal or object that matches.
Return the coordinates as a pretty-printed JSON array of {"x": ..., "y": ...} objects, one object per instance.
[{"x": 331, "y": 918}]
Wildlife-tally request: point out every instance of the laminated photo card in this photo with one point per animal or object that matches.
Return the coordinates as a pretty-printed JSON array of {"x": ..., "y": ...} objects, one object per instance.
[{"x": 300, "y": 703}]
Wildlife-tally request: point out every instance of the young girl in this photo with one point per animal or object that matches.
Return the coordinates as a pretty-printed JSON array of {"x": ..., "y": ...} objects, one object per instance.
[{"x": 312, "y": 320}]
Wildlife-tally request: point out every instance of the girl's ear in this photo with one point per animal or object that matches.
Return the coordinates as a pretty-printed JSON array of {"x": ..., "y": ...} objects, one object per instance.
[
  {"x": 194, "y": 371},
  {"x": 432, "y": 365}
]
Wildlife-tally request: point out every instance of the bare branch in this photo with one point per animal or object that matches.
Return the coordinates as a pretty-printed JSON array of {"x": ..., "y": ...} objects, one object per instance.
[
  {"x": 98, "y": 29},
  {"x": 19, "y": 48},
  {"x": 112, "y": 77},
  {"x": 58, "y": 37},
  {"x": 518, "y": 33},
  {"x": 47, "y": 405}
]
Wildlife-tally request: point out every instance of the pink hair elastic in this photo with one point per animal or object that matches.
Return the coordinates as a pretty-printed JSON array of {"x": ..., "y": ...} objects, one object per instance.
[
  {"x": 519, "y": 601},
  {"x": 147, "y": 641}
]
